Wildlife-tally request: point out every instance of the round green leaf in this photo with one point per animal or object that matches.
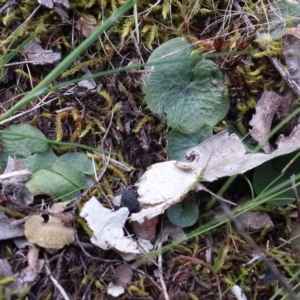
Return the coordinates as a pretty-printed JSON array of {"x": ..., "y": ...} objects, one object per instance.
[
  {"x": 79, "y": 161},
  {"x": 183, "y": 214},
  {"x": 74, "y": 167},
  {"x": 179, "y": 141},
  {"x": 39, "y": 161},
  {"x": 190, "y": 93},
  {"x": 269, "y": 171},
  {"x": 21, "y": 146},
  {"x": 52, "y": 184}
]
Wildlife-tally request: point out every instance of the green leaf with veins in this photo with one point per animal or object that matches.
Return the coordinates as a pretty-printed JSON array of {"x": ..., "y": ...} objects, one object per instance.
[
  {"x": 21, "y": 146},
  {"x": 52, "y": 184},
  {"x": 190, "y": 93},
  {"x": 75, "y": 167},
  {"x": 183, "y": 214}
]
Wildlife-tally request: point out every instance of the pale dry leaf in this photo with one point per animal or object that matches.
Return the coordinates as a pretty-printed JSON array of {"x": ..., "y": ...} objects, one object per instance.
[
  {"x": 35, "y": 265},
  {"x": 86, "y": 27},
  {"x": 291, "y": 54},
  {"x": 208, "y": 253},
  {"x": 38, "y": 56},
  {"x": 50, "y": 3},
  {"x": 261, "y": 122},
  {"x": 63, "y": 2},
  {"x": 59, "y": 207},
  {"x": 107, "y": 226},
  {"x": 89, "y": 84},
  {"x": 114, "y": 290},
  {"x": 52, "y": 234},
  {"x": 145, "y": 245},
  {"x": 64, "y": 16},
  {"x": 13, "y": 165},
  {"x": 15, "y": 177},
  {"x": 167, "y": 183},
  {"x": 238, "y": 293}
]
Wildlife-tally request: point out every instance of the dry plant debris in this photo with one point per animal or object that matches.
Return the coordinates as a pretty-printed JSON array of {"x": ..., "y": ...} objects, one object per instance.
[
  {"x": 49, "y": 232},
  {"x": 38, "y": 56},
  {"x": 165, "y": 184},
  {"x": 109, "y": 114}
]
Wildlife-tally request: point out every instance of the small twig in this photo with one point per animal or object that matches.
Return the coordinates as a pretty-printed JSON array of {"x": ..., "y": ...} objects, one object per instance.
[
  {"x": 200, "y": 186},
  {"x": 57, "y": 285},
  {"x": 104, "y": 167},
  {"x": 296, "y": 197},
  {"x": 160, "y": 274}
]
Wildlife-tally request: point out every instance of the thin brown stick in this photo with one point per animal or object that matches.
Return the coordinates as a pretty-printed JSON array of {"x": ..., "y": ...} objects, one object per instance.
[{"x": 296, "y": 196}]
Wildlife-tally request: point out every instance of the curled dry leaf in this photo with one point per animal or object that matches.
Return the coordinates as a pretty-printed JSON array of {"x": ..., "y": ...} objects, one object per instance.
[
  {"x": 49, "y": 232},
  {"x": 167, "y": 183},
  {"x": 107, "y": 226}
]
